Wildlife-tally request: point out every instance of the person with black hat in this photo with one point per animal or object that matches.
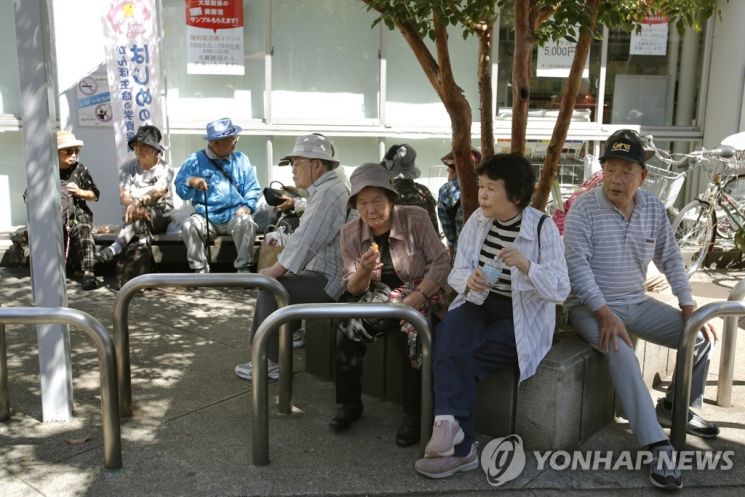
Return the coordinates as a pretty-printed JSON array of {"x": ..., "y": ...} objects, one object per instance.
[
  {"x": 144, "y": 191},
  {"x": 400, "y": 162},
  {"x": 221, "y": 183},
  {"x": 611, "y": 235}
]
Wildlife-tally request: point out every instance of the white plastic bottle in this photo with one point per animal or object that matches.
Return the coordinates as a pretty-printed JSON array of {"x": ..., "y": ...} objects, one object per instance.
[{"x": 492, "y": 270}]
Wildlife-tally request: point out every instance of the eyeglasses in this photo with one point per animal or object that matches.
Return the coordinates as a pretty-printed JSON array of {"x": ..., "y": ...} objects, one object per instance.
[
  {"x": 297, "y": 162},
  {"x": 71, "y": 151}
]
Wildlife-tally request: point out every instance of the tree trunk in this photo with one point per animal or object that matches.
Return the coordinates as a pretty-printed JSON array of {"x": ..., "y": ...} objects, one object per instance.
[
  {"x": 524, "y": 41},
  {"x": 485, "y": 33},
  {"x": 558, "y": 137}
]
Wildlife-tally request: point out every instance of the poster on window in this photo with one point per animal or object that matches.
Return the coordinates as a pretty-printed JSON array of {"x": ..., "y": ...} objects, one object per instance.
[
  {"x": 555, "y": 59},
  {"x": 94, "y": 100},
  {"x": 652, "y": 39},
  {"x": 133, "y": 68},
  {"x": 214, "y": 37}
]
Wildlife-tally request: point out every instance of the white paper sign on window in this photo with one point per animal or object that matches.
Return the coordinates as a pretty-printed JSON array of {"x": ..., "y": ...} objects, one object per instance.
[
  {"x": 214, "y": 37},
  {"x": 555, "y": 59},
  {"x": 652, "y": 40}
]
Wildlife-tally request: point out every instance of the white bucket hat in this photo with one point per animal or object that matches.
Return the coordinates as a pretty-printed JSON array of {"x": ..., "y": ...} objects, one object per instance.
[{"x": 313, "y": 146}]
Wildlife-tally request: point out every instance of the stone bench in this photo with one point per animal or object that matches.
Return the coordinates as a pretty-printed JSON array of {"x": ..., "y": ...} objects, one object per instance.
[
  {"x": 568, "y": 399},
  {"x": 170, "y": 249}
]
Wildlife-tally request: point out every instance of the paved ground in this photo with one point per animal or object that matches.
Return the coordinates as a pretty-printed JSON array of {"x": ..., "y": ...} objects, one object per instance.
[{"x": 190, "y": 434}]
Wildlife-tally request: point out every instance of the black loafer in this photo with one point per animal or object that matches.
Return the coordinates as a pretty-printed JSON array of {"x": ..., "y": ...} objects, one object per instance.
[
  {"x": 408, "y": 432},
  {"x": 345, "y": 417},
  {"x": 88, "y": 282}
]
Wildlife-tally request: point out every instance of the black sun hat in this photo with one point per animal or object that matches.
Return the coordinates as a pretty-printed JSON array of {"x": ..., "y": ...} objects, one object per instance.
[
  {"x": 626, "y": 144},
  {"x": 147, "y": 135}
]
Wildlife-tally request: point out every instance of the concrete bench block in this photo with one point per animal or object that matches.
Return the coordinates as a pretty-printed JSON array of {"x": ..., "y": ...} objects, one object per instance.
[
  {"x": 549, "y": 404},
  {"x": 496, "y": 403},
  {"x": 566, "y": 401}
]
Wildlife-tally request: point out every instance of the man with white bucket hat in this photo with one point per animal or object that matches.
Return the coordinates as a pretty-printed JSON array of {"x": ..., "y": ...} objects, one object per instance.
[{"x": 310, "y": 266}]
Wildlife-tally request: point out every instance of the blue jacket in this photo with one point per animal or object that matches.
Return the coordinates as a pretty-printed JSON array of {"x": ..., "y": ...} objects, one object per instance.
[{"x": 223, "y": 199}]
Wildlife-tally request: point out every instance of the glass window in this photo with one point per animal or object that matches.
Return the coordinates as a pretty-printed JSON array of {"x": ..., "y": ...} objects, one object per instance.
[
  {"x": 10, "y": 88},
  {"x": 641, "y": 89},
  {"x": 197, "y": 98},
  {"x": 548, "y": 75},
  {"x": 410, "y": 98},
  {"x": 325, "y": 65}
]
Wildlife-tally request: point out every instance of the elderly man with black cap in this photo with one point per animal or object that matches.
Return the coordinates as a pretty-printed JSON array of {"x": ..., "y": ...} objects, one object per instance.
[
  {"x": 144, "y": 191},
  {"x": 310, "y": 266},
  {"x": 222, "y": 186},
  {"x": 611, "y": 234}
]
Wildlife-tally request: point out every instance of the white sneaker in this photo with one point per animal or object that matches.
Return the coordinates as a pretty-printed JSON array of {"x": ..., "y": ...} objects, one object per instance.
[
  {"x": 298, "y": 339},
  {"x": 245, "y": 371}
]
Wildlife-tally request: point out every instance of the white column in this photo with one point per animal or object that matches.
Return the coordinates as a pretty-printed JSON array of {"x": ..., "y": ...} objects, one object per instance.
[{"x": 44, "y": 223}]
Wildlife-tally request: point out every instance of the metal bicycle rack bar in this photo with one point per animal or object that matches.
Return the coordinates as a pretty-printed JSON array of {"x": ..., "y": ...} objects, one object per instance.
[
  {"x": 727, "y": 357},
  {"x": 112, "y": 440},
  {"x": 684, "y": 363},
  {"x": 296, "y": 312},
  {"x": 127, "y": 292}
]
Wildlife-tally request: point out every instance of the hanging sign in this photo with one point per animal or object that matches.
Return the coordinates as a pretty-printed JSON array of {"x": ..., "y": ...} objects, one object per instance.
[
  {"x": 133, "y": 68},
  {"x": 94, "y": 100},
  {"x": 652, "y": 39},
  {"x": 214, "y": 37}
]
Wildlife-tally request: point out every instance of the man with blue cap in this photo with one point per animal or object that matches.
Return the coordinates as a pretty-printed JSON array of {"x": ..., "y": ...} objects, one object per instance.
[{"x": 221, "y": 183}]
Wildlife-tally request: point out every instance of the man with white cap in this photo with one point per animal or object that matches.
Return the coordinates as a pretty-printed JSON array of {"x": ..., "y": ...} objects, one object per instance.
[
  {"x": 221, "y": 183},
  {"x": 310, "y": 266}
]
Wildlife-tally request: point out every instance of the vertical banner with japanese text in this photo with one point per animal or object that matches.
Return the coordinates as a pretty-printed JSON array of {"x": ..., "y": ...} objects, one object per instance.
[
  {"x": 214, "y": 37},
  {"x": 133, "y": 68}
]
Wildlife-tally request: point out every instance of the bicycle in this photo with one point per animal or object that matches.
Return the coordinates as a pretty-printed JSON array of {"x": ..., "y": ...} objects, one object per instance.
[{"x": 719, "y": 211}]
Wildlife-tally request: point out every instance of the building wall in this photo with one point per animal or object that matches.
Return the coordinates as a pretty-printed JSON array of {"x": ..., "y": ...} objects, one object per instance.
[
  {"x": 724, "y": 103},
  {"x": 326, "y": 76}
]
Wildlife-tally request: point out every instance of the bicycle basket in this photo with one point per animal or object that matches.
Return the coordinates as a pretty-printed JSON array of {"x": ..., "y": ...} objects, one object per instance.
[{"x": 664, "y": 184}]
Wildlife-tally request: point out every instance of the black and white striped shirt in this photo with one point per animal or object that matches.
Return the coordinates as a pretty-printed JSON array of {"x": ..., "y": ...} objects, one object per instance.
[{"x": 501, "y": 235}]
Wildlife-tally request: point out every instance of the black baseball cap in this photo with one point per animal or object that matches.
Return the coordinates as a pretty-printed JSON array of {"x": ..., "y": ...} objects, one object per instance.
[{"x": 626, "y": 144}]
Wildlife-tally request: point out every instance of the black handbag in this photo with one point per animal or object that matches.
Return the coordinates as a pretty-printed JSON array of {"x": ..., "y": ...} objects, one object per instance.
[{"x": 274, "y": 196}]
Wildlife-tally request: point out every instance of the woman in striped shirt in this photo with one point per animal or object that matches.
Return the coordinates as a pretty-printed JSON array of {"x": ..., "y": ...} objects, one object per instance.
[{"x": 513, "y": 324}]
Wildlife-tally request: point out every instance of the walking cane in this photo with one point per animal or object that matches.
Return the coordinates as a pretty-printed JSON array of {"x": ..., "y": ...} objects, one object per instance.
[{"x": 207, "y": 223}]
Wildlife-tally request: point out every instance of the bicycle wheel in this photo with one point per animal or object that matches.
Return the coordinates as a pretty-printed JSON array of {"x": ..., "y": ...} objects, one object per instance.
[
  {"x": 694, "y": 232},
  {"x": 734, "y": 188}
]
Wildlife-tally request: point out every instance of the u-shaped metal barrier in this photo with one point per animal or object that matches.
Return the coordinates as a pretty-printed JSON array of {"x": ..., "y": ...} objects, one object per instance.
[
  {"x": 684, "y": 363},
  {"x": 727, "y": 356},
  {"x": 328, "y": 311},
  {"x": 124, "y": 297},
  {"x": 112, "y": 440}
]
